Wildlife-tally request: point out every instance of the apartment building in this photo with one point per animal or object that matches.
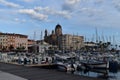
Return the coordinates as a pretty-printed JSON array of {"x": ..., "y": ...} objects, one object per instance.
[
  {"x": 10, "y": 41},
  {"x": 74, "y": 42}
]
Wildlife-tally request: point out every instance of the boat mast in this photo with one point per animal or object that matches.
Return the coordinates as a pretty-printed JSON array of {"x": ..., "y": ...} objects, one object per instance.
[
  {"x": 41, "y": 35},
  {"x": 114, "y": 42},
  {"x": 103, "y": 39},
  {"x": 92, "y": 40},
  {"x": 96, "y": 36},
  {"x": 35, "y": 49}
]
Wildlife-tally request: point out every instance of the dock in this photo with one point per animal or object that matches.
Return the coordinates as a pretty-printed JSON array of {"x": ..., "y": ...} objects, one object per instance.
[
  {"x": 36, "y": 73},
  {"x": 39, "y": 65}
]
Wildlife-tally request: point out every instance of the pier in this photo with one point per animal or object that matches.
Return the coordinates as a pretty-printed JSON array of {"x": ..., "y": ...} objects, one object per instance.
[
  {"x": 37, "y": 73},
  {"x": 40, "y": 65}
]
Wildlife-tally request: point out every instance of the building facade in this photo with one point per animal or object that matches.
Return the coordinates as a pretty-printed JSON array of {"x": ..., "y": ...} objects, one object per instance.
[
  {"x": 11, "y": 41},
  {"x": 43, "y": 47},
  {"x": 71, "y": 42},
  {"x": 31, "y": 42}
]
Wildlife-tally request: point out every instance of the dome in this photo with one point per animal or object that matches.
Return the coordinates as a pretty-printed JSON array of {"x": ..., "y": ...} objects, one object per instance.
[
  {"x": 58, "y": 26},
  {"x": 58, "y": 30}
]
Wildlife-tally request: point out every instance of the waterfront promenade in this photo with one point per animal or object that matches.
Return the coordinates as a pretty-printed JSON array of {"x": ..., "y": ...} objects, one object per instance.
[
  {"x": 37, "y": 73},
  {"x": 8, "y": 76}
]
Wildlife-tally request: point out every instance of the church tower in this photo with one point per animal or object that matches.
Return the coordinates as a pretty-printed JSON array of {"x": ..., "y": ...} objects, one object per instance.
[
  {"x": 58, "y": 30},
  {"x": 52, "y": 32},
  {"x": 46, "y": 34}
]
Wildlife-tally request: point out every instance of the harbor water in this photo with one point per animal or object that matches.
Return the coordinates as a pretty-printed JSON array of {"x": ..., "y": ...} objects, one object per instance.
[{"x": 98, "y": 74}]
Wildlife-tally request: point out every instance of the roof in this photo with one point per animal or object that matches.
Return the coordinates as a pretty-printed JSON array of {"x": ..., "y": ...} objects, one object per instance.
[{"x": 58, "y": 26}]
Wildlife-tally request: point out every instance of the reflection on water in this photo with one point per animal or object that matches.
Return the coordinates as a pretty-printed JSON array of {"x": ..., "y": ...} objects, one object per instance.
[{"x": 100, "y": 74}]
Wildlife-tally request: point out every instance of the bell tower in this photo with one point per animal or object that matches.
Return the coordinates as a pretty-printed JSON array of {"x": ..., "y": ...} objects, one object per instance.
[
  {"x": 58, "y": 30},
  {"x": 46, "y": 34}
]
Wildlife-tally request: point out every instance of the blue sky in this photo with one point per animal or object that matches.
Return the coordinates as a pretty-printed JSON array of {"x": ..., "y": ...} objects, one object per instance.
[{"x": 80, "y": 17}]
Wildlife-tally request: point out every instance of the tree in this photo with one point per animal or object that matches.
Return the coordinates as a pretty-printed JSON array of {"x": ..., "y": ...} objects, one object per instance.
[
  {"x": 11, "y": 47},
  {"x": 22, "y": 48},
  {"x": 4, "y": 48}
]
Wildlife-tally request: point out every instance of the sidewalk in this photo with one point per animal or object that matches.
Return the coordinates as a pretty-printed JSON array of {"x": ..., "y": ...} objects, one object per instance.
[{"x": 8, "y": 76}]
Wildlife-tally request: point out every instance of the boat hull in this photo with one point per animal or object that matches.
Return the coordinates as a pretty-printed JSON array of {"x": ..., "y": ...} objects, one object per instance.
[
  {"x": 65, "y": 67},
  {"x": 99, "y": 65},
  {"x": 61, "y": 67}
]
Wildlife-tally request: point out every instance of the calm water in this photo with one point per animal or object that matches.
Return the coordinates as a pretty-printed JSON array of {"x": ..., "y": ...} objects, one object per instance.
[{"x": 110, "y": 76}]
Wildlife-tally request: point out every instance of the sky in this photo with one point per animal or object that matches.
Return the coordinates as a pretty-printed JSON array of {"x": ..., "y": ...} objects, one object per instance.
[{"x": 77, "y": 17}]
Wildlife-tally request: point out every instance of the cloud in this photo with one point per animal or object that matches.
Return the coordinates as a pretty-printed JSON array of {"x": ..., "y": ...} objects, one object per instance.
[
  {"x": 50, "y": 11},
  {"x": 72, "y": 1},
  {"x": 117, "y": 4},
  {"x": 69, "y": 5},
  {"x": 63, "y": 13},
  {"x": 32, "y": 13},
  {"x": 19, "y": 20},
  {"x": 89, "y": 11},
  {"x": 46, "y": 9},
  {"x": 9, "y": 4},
  {"x": 98, "y": 1},
  {"x": 28, "y": 0}
]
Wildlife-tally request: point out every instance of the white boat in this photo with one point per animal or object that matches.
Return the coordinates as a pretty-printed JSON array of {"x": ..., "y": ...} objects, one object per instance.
[
  {"x": 63, "y": 63},
  {"x": 65, "y": 66}
]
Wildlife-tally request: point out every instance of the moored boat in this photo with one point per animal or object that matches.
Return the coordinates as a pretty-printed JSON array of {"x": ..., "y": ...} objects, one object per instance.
[
  {"x": 95, "y": 64},
  {"x": 64, "y": 67}
]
